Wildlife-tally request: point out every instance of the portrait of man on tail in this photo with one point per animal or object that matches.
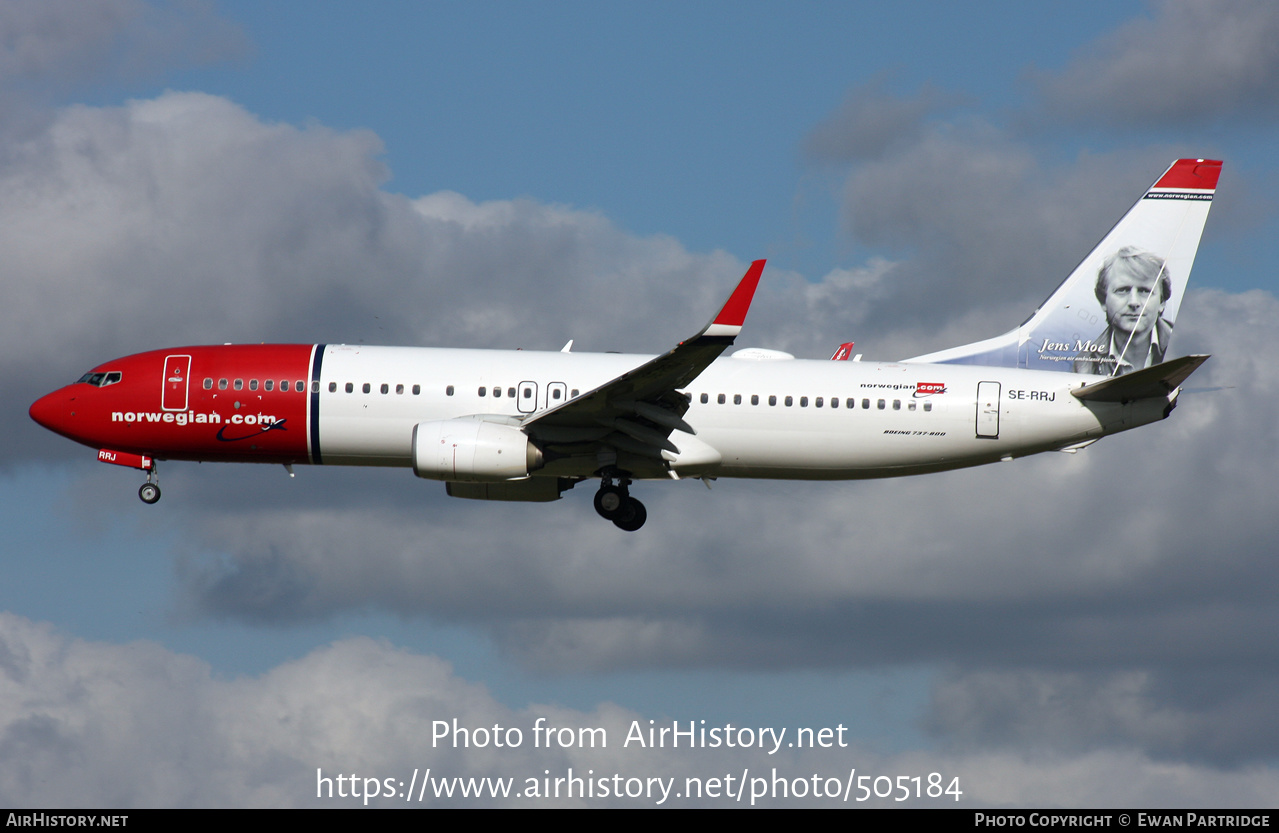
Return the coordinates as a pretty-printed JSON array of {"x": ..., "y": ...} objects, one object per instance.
[{"x": 1133, "y": 287}]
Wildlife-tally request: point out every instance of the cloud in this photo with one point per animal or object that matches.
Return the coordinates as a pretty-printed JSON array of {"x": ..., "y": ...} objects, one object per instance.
[
  {"x": 92, "y": 724},
  {"x": 1068, "y": 713},
  {"x": 1183, "y": 64},
  {"x": 186, "y": 219},
  {"x": 52, "y": 44},
  {"x": 972, "y": 228},
  {"x": 871, "y": 120}
]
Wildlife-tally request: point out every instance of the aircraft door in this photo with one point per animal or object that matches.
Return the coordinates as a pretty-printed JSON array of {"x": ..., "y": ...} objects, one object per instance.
[
  {"x": 177, "y": 373},
  {"x": 527, "y": 397},
  {"x": 556, "y": 394},
  {"x": 988, "y": 410}
]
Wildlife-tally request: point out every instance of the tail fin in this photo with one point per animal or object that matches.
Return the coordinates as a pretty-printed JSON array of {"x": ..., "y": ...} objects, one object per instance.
[{"x": 1116, "y": 311}]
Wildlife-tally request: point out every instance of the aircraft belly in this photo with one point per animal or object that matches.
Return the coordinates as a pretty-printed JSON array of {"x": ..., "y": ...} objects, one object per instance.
[
  {"x": 830, "y": 454},
  {"x": 857, "y": 445}
]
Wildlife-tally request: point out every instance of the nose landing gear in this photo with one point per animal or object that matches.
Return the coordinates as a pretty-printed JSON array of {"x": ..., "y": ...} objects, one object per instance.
[
  {"x": 614, "y": 503},
  {"x": 150, "y": 491}
]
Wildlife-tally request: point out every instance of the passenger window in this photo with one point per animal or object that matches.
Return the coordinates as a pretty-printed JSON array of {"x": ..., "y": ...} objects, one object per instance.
[
  {"x": 399, "y": 389},
  {"x": 385, "y": 388},
  {"x": 928, "y": 406},
  {"x": 866, "y": 404},
  {"x": 417, "y": 389},
  {"x": 706, "y": 397},
  {"x": 528, "y": 393},
  {"x": 772, "y": 400},
  {"x": 803, "y": 402},
  {"x": 333, "y": 387},
  {"x": 910, "y": 406},
  {"x": 268, "y": 384},
  {"x": 350, "y": 388},
  {"x": 511, "y": 393},
  {"x": 315, "y": 386},
  {"x": 818, "y": 402},
  {"x": 834, "y": 401},
  {"x": 253, "y": 384},
  {"x": 881, "y": 404},
  {"x": 574, "y": 392},
  {"x": 851, "y": 403},
  {"x": 754, "y": 398},
  {"x": 897, "y": 404},
  {"x": 555, "y": 394},
  {"x": 483, "y": 392},
  {"x": 239, "y": 384},
  {"x": 300, "y": 386},
  {"x": 497, "y": 391},
  {"x": 789, "y": 401},
  {"x": 366, "y": 387},
  {"x": 208, "y": 384},
  {"x": 721, "y": 399},
  {"x": 737, "y": 399},
  {"x": 284, "y": 385}
]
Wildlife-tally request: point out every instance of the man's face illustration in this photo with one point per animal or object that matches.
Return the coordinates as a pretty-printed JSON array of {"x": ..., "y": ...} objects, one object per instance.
[{"x": 1130, "y": 306}]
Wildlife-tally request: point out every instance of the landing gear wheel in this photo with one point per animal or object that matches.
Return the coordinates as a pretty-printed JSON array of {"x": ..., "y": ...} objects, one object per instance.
[
  {"x": 610, "y": 502},
  {"x": 632, "y": 517},
  {"x": 149, "y": 492}
]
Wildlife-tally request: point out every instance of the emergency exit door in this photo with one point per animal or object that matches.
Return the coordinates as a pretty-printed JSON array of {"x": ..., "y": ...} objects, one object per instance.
[{"x": 988, "y": 410}]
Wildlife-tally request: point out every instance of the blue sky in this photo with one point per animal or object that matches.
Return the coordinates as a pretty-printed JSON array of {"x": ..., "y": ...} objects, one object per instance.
[
  {"x": 506, "y": 174},
  {"x": 668, "y": 118}
]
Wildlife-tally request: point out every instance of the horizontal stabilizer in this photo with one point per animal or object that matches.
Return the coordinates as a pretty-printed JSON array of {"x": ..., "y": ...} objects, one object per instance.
[{"x": 1150, "y": 382}]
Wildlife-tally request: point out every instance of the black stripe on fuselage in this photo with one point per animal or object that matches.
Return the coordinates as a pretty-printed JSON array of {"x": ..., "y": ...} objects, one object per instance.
[{"x": 317, "y": 358}]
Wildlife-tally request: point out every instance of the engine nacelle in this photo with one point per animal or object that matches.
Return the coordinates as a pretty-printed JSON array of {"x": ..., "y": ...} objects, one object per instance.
[{"x": 472, "y": 450}]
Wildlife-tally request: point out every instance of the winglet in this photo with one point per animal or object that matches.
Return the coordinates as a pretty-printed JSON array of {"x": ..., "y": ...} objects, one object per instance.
[
  {"x": 733, "y": 314},
  {"x": 843, "y": 352}
]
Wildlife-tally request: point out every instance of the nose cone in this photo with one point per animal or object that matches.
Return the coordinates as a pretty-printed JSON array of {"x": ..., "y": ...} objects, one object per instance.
[{"x": 55, "y": 411}]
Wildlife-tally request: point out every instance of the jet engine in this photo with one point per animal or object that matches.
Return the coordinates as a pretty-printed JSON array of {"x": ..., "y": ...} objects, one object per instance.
[{"x": 472, "y": 450}]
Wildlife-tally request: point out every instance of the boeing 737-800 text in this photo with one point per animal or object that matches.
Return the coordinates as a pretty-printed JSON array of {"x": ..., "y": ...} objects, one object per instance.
[{"x": 526, "y": 426}]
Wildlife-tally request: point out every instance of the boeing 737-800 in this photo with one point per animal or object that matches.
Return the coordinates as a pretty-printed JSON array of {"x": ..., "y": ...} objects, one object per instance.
[{"x": 527, "y": 426}]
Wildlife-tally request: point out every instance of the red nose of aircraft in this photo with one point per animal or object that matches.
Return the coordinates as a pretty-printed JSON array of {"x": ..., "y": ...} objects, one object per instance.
[{"x": 56, "y": 411}]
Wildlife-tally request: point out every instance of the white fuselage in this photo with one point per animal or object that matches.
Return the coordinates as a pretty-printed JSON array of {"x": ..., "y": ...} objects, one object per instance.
[{"x": 785, "y": 418}]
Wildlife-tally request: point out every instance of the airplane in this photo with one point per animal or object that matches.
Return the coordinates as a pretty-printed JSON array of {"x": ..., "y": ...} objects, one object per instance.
[{"x": 528, "y": 425}]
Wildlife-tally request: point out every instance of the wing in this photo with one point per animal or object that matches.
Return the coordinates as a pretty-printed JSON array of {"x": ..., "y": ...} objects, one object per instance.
[{"x": 636, "y": 412}]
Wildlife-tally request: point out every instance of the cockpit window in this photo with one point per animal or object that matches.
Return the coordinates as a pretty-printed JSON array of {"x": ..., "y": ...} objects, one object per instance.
[{"x": 100, "y": 379}]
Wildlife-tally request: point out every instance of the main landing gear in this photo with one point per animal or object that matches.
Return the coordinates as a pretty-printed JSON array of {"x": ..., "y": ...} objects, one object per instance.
[{"x": 614, "y": 503}]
